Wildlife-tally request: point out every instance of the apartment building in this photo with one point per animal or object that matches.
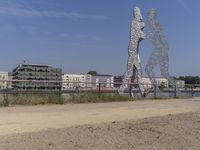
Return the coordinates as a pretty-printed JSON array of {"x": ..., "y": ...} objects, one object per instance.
[
  {"x": 161, "y": 82},
  {"x": 180, "y": 83},
  {"x": 3, "y": 78},
  {"x": 76, "y": 81},
  {"x": 105, "y": 81},
  {"x": 43, "y": 77},
  {"x": 146, "y": 83},
  {"x": 118, "y": 81}
]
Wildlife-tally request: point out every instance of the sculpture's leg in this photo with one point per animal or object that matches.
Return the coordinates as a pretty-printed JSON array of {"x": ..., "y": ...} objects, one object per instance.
[
  {"x": 152, "y": 62},
  {"x": 164, "y": 69},
  {"x": 127, "y": 75},
  {"x": 130, "y": 64},
  {"x": 139, "y": 77}
]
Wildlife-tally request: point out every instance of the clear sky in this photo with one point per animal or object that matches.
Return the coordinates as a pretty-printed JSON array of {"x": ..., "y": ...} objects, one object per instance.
[{"x": 83, "y": 35}]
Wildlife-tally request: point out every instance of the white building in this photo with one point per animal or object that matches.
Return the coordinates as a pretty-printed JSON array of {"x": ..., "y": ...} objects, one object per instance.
[
  {"x": 162, "y": 82},
  {"x": 105, "y": 81},
  {"x": 180, "y": 83},
  {"x": 159, "y": 81},
  {"x": 146, "y": 83},
  {"x": 3, "y": 76},
  {"x": 74, "y": 81}
]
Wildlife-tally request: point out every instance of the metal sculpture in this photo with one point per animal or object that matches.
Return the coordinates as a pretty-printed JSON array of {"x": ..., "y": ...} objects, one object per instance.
[
  {"x": 134, "y": 69},
  {"x": 159, "y": 56}
]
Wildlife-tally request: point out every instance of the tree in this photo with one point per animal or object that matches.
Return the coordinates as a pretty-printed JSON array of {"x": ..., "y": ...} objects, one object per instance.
[
  {"x": 92, "y": 72},
  {"x": 181, "y": 78},
  {"x": 190, "y": 79}
]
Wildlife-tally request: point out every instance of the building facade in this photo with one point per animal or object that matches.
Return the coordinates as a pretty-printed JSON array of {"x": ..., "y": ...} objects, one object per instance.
[
  {"x": 105, "y": 81},
  {"x": 146, "y": 83},
  {"x": 76, "y": 81},
  {"x": 180, "y": 83},
  {"x": 161, "y": 82},
  {"x": 3, "y": 80},
  {"x": 118, "y": 81},
  {"x": 10, "y": 78},
  {"x": 37, "y": 77}
]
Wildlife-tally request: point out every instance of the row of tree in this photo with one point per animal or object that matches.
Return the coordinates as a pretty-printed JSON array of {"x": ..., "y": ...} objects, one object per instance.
[{"x": 190, "y": 79}]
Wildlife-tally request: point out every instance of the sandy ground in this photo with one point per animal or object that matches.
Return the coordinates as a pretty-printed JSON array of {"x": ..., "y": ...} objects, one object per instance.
[{"x": 124, "y": 125}]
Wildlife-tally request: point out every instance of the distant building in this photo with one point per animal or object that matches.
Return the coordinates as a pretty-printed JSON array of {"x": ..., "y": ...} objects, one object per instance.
[
  {"x": 105, "y": 81},
  {"x": 118, "y": 81},
  {"x": 161, "y": 82},
  {"x": 41, "y": 73},
  {"x": 3, "y": 78},
  {"x": 74, "y": 81},
  {"x": 180, "y": 83},
  {"x": 10, "y": 78},
  {"x": 146, "y": 83}
]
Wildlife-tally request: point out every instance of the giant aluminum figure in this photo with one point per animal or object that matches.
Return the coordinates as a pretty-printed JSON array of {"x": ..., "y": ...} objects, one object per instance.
[
  {"x": 134, "y": 70},
  {"x": 159, "y": 56}
]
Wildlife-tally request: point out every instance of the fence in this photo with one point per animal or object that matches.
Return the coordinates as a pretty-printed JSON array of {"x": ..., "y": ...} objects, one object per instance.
[{"x": 41, "y": 92}]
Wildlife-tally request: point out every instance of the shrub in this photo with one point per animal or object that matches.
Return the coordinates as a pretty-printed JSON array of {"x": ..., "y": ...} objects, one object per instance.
[
  {"x": 35, "y": 99},
  {"x": 95, "y": 98}
]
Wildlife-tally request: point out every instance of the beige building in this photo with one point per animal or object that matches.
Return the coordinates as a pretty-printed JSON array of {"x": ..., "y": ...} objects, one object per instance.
[
  {"x": 3, "y": 80},
  {"x": 180, "y": 83},
  {"x": 105, "y": 81},
  {"x": 74, "y": 81},
  {"x": 160, "y": 82},
  {"x": 146, "y": 83},
  {"x": 10, "y": 78}
]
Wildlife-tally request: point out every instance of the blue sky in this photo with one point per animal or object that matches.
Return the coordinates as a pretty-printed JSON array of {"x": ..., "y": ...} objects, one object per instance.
[{"x": 83, "y": 35}]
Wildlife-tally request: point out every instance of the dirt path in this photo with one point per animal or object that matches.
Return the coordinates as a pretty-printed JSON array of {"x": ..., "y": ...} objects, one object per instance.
[
  {"x": 171, "y": 132},
  {"x": 39, "y": 118}
]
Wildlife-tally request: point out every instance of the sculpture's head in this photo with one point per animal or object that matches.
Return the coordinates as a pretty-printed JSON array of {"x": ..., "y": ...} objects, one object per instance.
[
  {"x": 152, "y": 14},
  {"x": 137, "y": 14}
]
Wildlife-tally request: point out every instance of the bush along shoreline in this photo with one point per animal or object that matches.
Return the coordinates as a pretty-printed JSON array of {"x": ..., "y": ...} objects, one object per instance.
[{"x": 43, "y": 99}]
